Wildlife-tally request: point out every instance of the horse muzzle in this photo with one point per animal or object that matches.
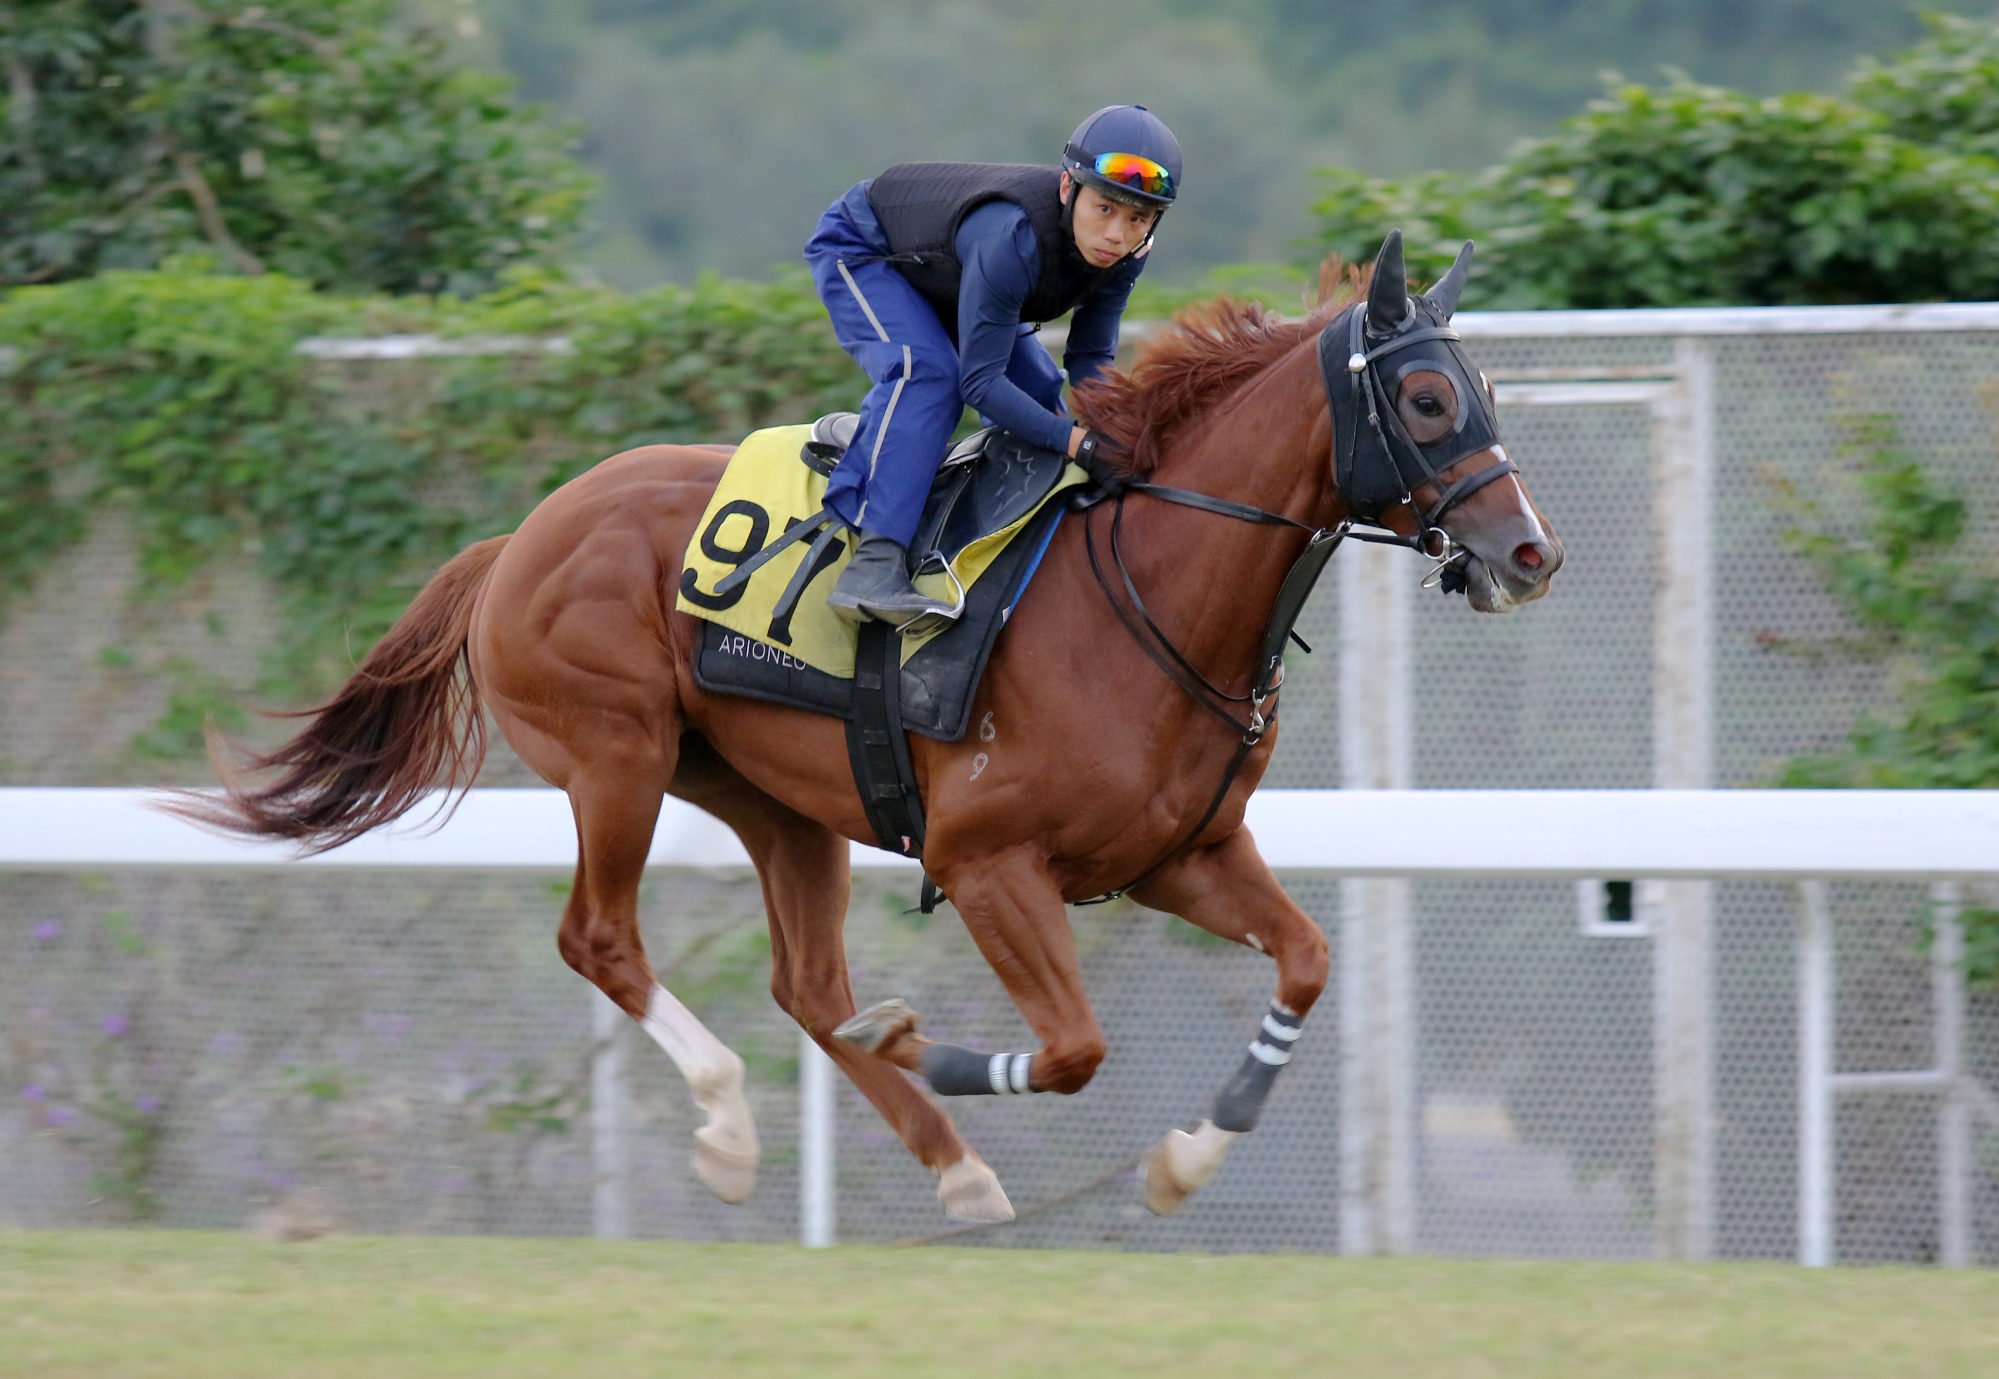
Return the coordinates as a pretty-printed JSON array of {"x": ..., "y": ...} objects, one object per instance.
[{"x": 1519, "y": 575}]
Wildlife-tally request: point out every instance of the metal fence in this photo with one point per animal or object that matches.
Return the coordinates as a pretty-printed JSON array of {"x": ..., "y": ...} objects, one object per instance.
[{"x": 410, "y": 1051}]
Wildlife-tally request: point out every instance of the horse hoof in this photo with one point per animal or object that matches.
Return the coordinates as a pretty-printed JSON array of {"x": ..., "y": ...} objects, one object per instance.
[
  {"x": 726, "y": 1149},
  {"x": 722, "y": 1164},
  {"x": 1182, "y": 1164},
  {"x": 970, "y": 1191},
  {"x": 1164, "y": 1194},
  {"x": 874, "y": 1027}
]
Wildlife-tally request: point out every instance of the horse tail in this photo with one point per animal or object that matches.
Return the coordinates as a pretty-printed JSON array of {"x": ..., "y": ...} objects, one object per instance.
[{"x": 407, "y": 720}]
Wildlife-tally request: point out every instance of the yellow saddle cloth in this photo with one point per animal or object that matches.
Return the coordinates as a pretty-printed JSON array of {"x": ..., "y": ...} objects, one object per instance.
[{"x": 765, "y": 492}]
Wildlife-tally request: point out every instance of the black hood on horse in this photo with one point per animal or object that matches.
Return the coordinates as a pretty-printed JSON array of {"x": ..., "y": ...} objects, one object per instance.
[{"x": 1365, "y": 355}]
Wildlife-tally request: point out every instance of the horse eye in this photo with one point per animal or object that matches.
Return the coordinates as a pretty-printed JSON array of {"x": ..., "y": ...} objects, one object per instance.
[{"x": 1428, "y": 405}]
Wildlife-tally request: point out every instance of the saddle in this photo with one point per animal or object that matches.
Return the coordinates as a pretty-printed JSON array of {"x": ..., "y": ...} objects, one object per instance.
[
  {"x": 757, "y": 574},
  {"x": 988, "y": 481}
]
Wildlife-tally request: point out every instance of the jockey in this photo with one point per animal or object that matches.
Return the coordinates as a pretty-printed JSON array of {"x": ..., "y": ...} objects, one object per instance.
[{"x": 936, "y": 276}]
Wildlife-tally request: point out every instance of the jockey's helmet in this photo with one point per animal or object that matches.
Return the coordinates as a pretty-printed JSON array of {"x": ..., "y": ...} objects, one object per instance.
[{"x": 1127, "y": 153}]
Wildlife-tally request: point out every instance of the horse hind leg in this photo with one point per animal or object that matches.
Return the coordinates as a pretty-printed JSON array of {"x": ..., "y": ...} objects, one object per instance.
[
  {"x": 806, "y": 882},
  {"x": 600, "y": 939}
]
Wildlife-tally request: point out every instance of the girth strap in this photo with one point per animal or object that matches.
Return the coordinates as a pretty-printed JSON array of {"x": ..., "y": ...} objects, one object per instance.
[
  {"x": 876, "y": 745},
  {"x": 878, "y": 750}
]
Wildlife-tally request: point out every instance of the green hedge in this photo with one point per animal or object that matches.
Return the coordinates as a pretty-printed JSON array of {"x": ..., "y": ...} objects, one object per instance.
[{"x": 179, "y": 400}]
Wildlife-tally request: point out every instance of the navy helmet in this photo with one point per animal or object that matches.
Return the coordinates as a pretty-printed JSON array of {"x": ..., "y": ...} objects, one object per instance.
[{"x": 1127, "y": 153}]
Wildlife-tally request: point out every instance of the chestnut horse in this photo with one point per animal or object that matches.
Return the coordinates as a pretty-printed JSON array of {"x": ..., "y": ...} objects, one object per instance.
[{"x": 1098, "y": 773}]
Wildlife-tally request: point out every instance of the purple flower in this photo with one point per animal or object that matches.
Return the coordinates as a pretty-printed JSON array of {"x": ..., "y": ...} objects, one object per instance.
[
  {"x": 116, "y": 1025},
  {"x": 34, "y": 1091},
  {"x": 60, "y": 1116},
  {"x": 146, "y": 1105},
  {"x": 48, "y": 930}
]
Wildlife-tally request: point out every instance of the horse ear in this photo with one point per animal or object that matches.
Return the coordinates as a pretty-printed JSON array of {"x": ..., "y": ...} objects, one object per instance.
[
  {"x": 1444, "y": 296},
  {"x": 1388, "y": 296}
]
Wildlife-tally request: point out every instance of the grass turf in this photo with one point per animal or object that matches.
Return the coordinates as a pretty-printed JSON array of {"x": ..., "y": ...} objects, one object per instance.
[{"x": 114, "y": 1304}]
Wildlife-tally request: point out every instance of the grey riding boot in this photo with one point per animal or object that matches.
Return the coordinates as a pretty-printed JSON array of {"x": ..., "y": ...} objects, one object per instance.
[{"x": 876, "y": 584}]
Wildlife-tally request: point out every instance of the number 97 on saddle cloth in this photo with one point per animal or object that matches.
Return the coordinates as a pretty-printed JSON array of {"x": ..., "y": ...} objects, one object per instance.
[{"x": 767, "y": 549}]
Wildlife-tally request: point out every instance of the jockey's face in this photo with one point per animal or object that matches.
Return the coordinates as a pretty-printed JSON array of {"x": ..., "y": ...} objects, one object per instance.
[{"x": 1106, "y": 230}]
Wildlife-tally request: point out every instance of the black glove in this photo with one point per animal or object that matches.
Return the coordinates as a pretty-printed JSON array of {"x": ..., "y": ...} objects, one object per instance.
[{"x": 1101, "y": 456}]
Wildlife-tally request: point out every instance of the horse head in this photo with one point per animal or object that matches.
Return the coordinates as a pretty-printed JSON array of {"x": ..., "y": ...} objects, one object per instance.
[{"x": 1416, "y": 444}]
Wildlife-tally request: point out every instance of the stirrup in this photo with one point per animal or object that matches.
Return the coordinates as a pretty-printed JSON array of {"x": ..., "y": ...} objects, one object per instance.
[
  {"x": 858, "y": 600},
  {"x": 936, "y": 619}
]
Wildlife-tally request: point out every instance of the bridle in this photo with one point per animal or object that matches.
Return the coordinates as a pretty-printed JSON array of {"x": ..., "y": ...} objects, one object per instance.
[
  {"x": 1384, "y": 464},
  {"x": 1377, "y": 470},
  {"x": 1383, "y": 467}
]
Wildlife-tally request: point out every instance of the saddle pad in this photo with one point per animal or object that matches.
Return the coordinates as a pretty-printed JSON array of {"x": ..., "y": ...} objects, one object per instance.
[
  {"x": 939, "y": 680},
  {"x": 765, "y": 491}
]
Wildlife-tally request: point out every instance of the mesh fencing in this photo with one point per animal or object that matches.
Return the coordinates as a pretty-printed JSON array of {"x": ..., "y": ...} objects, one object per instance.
[{"x": 408, "y": 1053}]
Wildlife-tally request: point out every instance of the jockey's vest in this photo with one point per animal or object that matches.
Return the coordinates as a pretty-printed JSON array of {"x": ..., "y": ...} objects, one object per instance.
[{"x": 921, "y": 205}]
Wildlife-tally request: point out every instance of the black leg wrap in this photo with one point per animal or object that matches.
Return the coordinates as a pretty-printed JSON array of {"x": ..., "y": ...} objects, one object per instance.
[
  {"x": 955, "y": 1071},
  {"x": 1241, "y": 1101}
]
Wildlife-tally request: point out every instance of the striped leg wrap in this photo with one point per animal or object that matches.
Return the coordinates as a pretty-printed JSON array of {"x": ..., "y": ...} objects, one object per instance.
[
  {"x": 1240, "y": 1102},
  {"x": 955, "y": 1071}
]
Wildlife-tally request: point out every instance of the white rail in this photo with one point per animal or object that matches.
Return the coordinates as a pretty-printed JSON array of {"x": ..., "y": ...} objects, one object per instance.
[{"x": 1796, "y": 835}]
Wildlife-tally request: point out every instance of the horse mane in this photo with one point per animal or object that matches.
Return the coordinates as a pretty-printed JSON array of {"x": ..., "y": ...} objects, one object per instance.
[{"x": 1203, "y": 355}]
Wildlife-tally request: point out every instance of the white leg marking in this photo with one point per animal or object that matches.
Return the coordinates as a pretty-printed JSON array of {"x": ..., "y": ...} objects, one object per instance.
[
  {"x": 1183, "y": 1164},
  {"x": 970, "y": 1191},
  {"x": 726, "y": 1148}
]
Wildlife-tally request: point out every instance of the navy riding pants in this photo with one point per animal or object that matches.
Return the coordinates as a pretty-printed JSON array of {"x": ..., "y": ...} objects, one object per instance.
[{"x": 910, "y": 413}]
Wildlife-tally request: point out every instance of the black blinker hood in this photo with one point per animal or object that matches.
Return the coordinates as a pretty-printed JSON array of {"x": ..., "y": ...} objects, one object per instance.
[{"x": 1377, "y": 464}]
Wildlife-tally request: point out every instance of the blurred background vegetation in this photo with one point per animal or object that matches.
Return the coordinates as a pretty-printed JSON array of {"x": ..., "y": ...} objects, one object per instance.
[
  {"x": 428, "y": 144},
  {"x": 719, "y": 129}
]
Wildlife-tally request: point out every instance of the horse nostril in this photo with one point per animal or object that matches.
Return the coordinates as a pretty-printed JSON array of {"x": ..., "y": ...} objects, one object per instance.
[{"x": 1528, "y": 556}]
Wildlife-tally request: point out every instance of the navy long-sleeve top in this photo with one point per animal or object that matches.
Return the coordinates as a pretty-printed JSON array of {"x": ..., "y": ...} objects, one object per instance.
[{"x": 1001, "y": 262}]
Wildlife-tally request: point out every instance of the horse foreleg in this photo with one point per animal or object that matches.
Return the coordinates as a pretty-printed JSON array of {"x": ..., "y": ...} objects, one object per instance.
[
  {"x": 1228, "y": 890},
  {"x": 600, "y": 939}
]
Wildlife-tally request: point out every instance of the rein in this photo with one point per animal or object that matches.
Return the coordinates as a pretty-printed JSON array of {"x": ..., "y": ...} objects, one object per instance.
[
  {"x": 1392, "y": 445},
  {"x": 1291, "y": 596},
  {"x": 1281, "y": 628}
]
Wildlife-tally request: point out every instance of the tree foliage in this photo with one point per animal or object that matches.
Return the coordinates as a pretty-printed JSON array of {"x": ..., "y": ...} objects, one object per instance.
[
  {"x": 1919, "y": 577},
  {"x": 1693, "y": 195},
  {"x": 309, "y": 137},
  {"x": 697, "y": 110},
  {"x": 1927, "y": 603},
  {"x": 1944, "y": 93}
]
